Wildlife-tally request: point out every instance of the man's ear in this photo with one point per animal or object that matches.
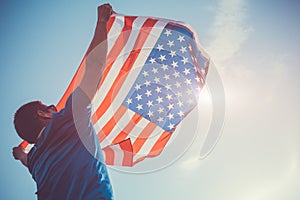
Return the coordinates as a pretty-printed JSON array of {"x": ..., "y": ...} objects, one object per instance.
[{"x": 44, "y": 114}]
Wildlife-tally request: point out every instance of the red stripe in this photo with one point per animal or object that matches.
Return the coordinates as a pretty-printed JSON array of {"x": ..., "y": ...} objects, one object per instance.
[
  {"x": 125, "y": 132},
  {"x": 74, "y": 83},
  {"x": 139, "y": 142},
  {"x": 123, "y": 148},
  {"x": 157, "y": 147},
  {"x": 126, "y": 146},
  {"x": 23, "y": 144},
  {"x": 109, "y": 155},
  {"x": 78, "y": 75},
  {"x": 113, "y": 91},
  {"x": 160, "y": 144},
  {"x": 110, "y": 23},
  {"x": 105, "y": 131},
  {"x": 117, "y": 47}
]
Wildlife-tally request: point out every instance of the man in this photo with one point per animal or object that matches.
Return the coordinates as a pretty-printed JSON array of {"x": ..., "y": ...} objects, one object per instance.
[{"x": 66, "y": 161}]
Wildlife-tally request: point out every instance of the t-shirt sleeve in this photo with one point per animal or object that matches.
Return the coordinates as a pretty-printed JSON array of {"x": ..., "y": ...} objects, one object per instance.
[
  {"x": 78, "y": 108},
  {"x": 78, "y": 102}
]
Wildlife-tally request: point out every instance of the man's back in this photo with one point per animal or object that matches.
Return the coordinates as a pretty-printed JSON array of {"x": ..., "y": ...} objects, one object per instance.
[{"x": 67, "y": 161}]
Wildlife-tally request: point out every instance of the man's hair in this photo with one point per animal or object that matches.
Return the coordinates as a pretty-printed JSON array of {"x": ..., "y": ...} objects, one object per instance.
[{"x": 27, "y": 122}]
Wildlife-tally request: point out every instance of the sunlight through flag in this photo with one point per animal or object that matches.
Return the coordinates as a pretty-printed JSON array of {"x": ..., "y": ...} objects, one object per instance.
[{"x": 154, "y": 73}]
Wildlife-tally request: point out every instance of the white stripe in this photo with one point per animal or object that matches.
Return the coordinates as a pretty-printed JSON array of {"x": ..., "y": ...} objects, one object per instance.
[
  {"x": 126, "y": 86},
  {"x": 146, "y": 148},
  {"x": 119, "y": 155},
  {"x": 136, "y": 131},
  {"x": 113, "y": 73},
  {"x": 28, "y": 148},
  {"x": 117, "y": 129},
  {"x": 115, "y": 32}
]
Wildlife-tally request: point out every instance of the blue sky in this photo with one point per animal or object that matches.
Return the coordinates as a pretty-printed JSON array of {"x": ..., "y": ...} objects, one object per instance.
[{"x": 254, "y": 47}]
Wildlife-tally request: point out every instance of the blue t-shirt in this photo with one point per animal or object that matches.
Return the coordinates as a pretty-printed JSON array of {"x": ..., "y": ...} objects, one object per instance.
[{"x": 67, "y": 161}]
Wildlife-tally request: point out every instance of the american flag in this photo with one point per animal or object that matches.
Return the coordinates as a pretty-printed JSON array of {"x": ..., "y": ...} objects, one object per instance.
[{"x": 153, "y": 76}]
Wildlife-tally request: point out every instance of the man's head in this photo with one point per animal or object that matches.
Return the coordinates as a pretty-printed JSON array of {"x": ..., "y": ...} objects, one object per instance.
[{"x": 31, "y": 118}]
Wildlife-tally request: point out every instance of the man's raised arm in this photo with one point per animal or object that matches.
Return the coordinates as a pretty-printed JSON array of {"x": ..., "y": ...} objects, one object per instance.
[{"x": 96, "y": 54}]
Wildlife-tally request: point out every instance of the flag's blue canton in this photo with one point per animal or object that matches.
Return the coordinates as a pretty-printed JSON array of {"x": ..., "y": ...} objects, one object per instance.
[{"x": 169, "y": 83}]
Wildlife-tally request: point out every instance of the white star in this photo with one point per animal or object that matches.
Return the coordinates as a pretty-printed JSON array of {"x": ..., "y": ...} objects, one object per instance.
[
  {"x": 156, "y": 79},
  {"x": 180, "y": 103},
  {"x": 168, "y": 86},
  {"x": 139, "y": 107},
  {"x": 160, "y": 47},
  {"x": 158, "y": 89},
  {"x": 148, "y": 93},
  {"x": 171, "y": 126},
  {"x": 164, "y": 67},
  {"x": 188, "y": 81},
  {"x": 170, "y": 106},
  {"x": 185, "y": 60},
  {"x": 170, "y": 116},
  {"x": 168, "y": 32},
  {"x": 129, "y": 101},
  {"x": 180, "y": 113},
  {"x": 137, "y": 86},
  {"x": 149, "y": 103},
  {"x": 154, "y": 70},
  {"x": 152, "y": 60},
  {"x": 198, "y": 88},
  {"x": 174, "y": 64},
  {"x": 162, "y": 57},
  {"x": 138, "y": 97},
  {"x": 178, "y": 84},
  {"x": 176, "y": 74},
  {"x": 203, "y": 71},
  {"x": 161, "y": 110},
  {"x": 160, "y": 119},
  {"x": 189, "y": 92},
  {"x": 172, "y": 53},
  {"x": 180, "y": 38},
  {"x": 145, "y": 73},
  {"x": 170, "y": 43},
  {"x": 183, "y": 49},
  {"x": 197, "y": 79},
  {"x": 159, "y": 99},
  {"x": 150, "y": 113},
  {"x": 190, "y": 47},
  {"x": 186, "y": 71},
  {"x": 147, "y": 83},
  {"x": 169, "y": 97},
  {"x": 179, "y": 94},
  {"x": 167, "y": 77}
]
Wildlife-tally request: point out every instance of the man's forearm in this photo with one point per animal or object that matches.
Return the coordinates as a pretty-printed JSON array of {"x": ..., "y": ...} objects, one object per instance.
[
  {"x": 96, "y": 54},
  {"x": 95, "y": 61},
  {"x": 99, "y": 36}
]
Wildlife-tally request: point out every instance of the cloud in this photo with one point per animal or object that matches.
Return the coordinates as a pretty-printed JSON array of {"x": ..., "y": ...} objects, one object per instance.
[{"x": 228, "y": 31}]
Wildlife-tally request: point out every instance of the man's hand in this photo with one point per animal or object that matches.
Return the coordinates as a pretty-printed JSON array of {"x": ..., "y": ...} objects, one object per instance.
[
  {"x": 104, "y": 12},
  {"x": 19, "y": 154}
]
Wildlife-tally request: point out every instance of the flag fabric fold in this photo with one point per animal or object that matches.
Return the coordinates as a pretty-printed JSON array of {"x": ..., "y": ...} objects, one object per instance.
[{"x": 154, "y": 72}]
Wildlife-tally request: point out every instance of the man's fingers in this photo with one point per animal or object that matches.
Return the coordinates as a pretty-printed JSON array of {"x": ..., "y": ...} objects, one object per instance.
[
  {"x": 104, "y": 12},
  {"x": 17, "y": 152}
]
